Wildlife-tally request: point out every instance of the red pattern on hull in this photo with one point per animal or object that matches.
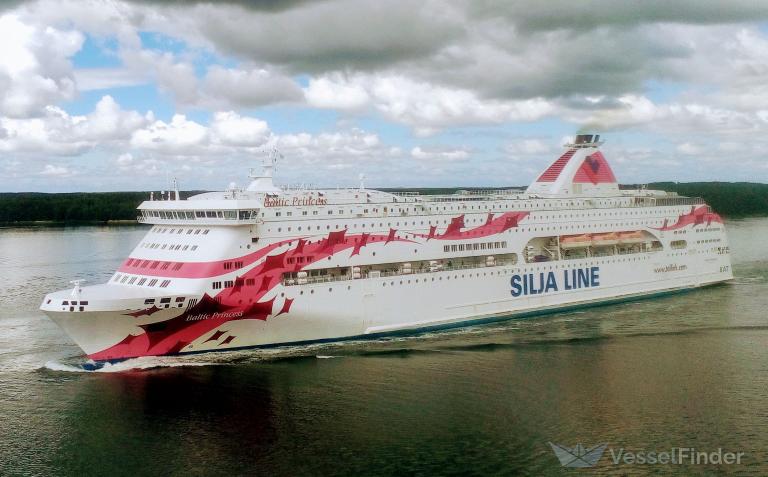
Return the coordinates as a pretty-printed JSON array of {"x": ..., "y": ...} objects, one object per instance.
[
  {"x": 492, "y": 226},
  {"x": 236, "y": 303},
  {"x": 697, "y": 215},
  {"x": 193, "y": 269}
]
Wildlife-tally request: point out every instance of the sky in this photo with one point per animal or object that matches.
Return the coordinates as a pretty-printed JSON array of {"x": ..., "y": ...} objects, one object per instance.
[{"x": 101, "y": 95}]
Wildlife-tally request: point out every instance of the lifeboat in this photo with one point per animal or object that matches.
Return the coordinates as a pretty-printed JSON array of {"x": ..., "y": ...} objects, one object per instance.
[
  {"x": 575, "y": 241},
  {"x": 635, "y": 236},
  {"x": 601, "y": 240}
]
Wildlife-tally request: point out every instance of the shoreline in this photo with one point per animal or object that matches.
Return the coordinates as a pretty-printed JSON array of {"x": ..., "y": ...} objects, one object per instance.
[{"x": 74, "y": 223}]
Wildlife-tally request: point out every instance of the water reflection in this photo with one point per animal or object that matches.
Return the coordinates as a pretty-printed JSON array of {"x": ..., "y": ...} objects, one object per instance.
[{"x": 688, "y": 369}]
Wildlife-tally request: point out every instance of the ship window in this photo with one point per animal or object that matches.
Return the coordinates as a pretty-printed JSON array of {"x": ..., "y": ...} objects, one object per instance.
[
  {"x": 152, "y": 282},
  {"x": 179, "y": 299},
  {"x": 194, "y": 247},
  {"x": 678, "y": 244},
  {"x": 149, "y": 301},
  {"x": 141, "y": 282},
  {"x": 228, "y": 283},
  {"x": 205, "y": 232},
  {"x": 216, "y": 285}
]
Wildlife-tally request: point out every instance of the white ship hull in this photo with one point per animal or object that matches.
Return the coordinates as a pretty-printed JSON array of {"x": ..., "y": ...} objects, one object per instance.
[
  {"x": 319, "y": 322},
  {"x": 382, "y": 266}
]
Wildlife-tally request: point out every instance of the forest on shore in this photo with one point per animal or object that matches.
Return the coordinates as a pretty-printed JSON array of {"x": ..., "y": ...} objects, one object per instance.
[{"x": 730, "y": 199}]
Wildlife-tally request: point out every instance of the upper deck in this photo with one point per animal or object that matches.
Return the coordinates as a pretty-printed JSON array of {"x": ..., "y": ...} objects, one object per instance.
[
  {"x": 220, "y": 208},
  {"x": 579, "y": 179}
]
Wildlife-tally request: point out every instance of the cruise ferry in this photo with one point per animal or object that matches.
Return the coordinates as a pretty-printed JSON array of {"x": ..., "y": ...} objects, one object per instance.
[{"x": 268, "y": 266}]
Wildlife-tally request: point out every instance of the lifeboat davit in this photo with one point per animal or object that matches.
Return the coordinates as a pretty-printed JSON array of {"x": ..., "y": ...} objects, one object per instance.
[{"x": 576, "y": 241}]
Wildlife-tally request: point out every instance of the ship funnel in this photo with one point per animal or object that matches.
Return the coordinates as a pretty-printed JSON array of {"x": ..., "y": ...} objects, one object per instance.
[{"x": 580, "y": 170}]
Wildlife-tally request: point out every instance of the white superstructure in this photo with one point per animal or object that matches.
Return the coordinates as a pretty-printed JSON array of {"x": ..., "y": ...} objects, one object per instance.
[{"x": 268, "y": 265}]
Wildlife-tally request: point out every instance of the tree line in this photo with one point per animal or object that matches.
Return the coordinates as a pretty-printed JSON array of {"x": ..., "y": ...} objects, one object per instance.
[
  {"x": 69, "y": 208},
  {"x": 730, "y": 199}
]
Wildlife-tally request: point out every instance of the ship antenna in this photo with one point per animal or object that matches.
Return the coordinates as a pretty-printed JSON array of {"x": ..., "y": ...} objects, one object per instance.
[
  {"x": 76, "y": 290},
  {"x": 274, "y": 156}
]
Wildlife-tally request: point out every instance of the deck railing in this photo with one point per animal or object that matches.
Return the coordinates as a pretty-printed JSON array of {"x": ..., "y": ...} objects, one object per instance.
[{"x": 393, "y": 273}]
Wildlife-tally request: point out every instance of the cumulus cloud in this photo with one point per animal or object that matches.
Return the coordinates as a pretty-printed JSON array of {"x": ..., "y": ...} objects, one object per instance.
[
  {"x": 322, "y": 36},
  {"x": 55, "y": 171},
  {"x": 672, "y": 117},
  {"x": 424, "y": 106},
  {"x": 234, "y": 130},
  {"x": 439, "y": 154},
  {"x": 248, "y": 87},
  {"x": 35, "y": 70},
  {"x": 680, "y": 70},
  {"x": 591, "y": 14},
  {"x": 57, "y": 132},
  {"x": 179, "y": 136},
  {"x": 336, "y": 92}
]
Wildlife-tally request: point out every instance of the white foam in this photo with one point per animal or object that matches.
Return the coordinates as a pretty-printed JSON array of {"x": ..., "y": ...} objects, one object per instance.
[
  {"x": 57, "y": 366},
  {"x": 143, "y": 363}
]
